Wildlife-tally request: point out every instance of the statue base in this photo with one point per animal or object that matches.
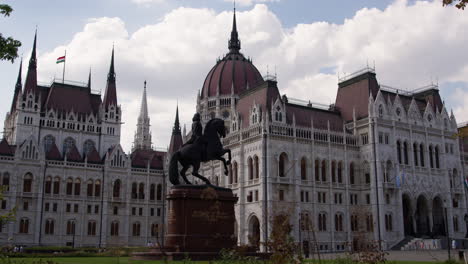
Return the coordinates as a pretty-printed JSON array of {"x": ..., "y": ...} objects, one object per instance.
[{"x": 200, "y": 223}]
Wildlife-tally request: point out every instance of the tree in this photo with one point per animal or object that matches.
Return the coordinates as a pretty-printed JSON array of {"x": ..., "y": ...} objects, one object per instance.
[
  {"x": 461, "y": 4},
  {"x": 8, "y": 46}
]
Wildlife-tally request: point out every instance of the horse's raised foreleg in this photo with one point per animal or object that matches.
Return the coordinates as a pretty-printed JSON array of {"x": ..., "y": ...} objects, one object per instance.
[
  {"x": 225, "y": 164},
  {"x": 195, "y": 173},
  {"x": 228, "y": 151},
  {"x": 182, "y": 174}
]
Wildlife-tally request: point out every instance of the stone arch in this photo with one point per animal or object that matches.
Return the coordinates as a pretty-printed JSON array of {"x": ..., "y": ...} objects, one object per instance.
[
  {"x": 438, "y": 220},
  {"x": 254, "y": 231},
  {"x": 282, "y": 164},
  {"x": 422, "y": 216},
  {"x": 407, "y": 215}
]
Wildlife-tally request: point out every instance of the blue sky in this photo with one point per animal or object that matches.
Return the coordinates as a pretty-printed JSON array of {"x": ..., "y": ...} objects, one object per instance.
[{"x": 309, "y": 42}]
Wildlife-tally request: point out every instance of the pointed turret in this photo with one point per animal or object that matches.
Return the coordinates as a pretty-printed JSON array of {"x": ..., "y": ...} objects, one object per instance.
[
  {"x": 110, "y": 96},
  {"x": 18, "y": 87},
  {"x": 30, "y": 84},
  {"x": 234, "y": 43},
  {"x": 176, "y": 138},
  {"x": 89, "y": 79},
  {"x": 143, "y": 135}
]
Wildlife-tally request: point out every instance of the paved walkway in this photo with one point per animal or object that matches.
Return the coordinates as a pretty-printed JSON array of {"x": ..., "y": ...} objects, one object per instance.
[{"x": 420, "y": 255}]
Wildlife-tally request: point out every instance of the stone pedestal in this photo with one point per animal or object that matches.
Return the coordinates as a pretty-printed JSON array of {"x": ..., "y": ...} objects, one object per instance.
[{"x": 200, "y": 222}]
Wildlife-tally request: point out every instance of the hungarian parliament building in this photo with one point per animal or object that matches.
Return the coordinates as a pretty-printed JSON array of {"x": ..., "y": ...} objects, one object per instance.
[{"x": 380, "y": 162}]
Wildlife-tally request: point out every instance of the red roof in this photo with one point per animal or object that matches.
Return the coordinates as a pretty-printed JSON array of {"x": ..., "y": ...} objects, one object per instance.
[
  {"x": 233, "y": 69},
  {"x": 321, "y": 118},
  {"x": 54, "y": 153},
  {"x": 141, "y": 157},
  {"x": 6, "y": 149},
  {"x": 64, "y": 97},
  {"x": 263, "y": 95},
  {"x": 74, "y": 155},
  {"x": 93, "y": 157}
]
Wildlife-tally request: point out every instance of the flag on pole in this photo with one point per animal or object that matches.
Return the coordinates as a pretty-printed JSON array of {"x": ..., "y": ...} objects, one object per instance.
[{"x": 60, "y": 59}]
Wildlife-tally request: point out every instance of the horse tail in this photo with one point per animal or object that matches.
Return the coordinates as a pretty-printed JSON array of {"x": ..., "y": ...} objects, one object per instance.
[{"x": 174, "y": 168}]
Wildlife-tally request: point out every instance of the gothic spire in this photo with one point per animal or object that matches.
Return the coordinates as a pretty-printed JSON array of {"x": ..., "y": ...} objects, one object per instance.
[
  {"x": 31, "y": 77},
  {"x": 18, "y": 87},
  {"x": 176, "y": 128},
  {"x": 110, "y": 95},
  {"x": 176, "y": 138},
  {"x": 89, "y": 79},
  {"x": 143, "y": 135},
  {"x": 234, "y": 43}
]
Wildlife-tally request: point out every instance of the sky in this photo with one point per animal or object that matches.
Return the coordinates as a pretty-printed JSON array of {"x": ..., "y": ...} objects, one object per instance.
[{"x": 172, "y": 44}]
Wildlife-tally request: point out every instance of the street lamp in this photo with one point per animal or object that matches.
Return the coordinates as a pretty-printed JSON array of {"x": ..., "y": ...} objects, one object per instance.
[{"x": 446, "y": 228}]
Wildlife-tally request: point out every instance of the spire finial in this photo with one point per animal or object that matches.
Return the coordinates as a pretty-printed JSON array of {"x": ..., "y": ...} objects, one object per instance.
[
  {"x": 176, "y": 129},
  {"x": 234, "y": 43},
  {"x": 89, "y": 79},
  {"x": 111, "y": 69}
]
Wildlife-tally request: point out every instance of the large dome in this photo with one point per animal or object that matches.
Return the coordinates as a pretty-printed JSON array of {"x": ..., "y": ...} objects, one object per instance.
[{"x": 234, "y": 71}]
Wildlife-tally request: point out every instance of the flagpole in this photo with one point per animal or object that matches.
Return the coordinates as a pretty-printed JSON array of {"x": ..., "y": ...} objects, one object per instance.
[{"x": 64, "y": 61}]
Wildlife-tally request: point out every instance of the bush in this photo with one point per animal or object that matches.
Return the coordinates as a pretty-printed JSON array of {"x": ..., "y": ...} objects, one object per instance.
[{"x": 31, "y": 250}]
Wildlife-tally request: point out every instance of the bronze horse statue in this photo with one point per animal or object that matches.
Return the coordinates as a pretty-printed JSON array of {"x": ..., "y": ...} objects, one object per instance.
[{"x": 207, "y": 147}]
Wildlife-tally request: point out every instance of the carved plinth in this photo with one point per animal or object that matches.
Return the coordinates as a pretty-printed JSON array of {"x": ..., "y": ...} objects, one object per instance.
[
  {"x": 200, "y": 219},
  {"x": 200, "y": 223}
]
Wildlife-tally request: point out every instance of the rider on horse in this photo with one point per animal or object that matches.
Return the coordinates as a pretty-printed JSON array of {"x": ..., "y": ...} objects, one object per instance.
[{"x": 197, "y": 129}]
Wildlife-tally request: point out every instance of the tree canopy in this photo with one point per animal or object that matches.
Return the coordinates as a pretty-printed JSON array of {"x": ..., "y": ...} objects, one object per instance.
[
  {"x": 460, "y": 4},
  {"x": 8, "y": 45}
]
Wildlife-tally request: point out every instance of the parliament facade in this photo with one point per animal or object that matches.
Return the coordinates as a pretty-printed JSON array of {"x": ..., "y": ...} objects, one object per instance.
[{"x": 380, "y": 162}]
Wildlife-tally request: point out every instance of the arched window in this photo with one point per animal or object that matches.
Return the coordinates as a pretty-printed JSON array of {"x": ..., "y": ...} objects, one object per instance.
[
  {"x": 90, "y": 187},
  {"x": 69, "y": 186},
  {"x": 230, "y": 176},
  {"x": 415, "y": 154},
  {"x": 6, "y": 181},
  {"x": 88, "y": 146},
  {"x": 380, "y": 110},
  {"x": 77, "y": 186},
  {"x": 388, "y": 222},
  {"x": 250, "y": 168},
  {"x": 399, "y": 151},
  {"x": 340, "y": 172},
  {"x": 351, "y": 173},
  {"x": 152, "y": 192},
  {"x": 71, "y": 227},
  {"x": 369, "y": 223},
  {"x": 116, "y": 189},
  {"x": 322, "y": 222},
  {"x": 136, "y": 229},
  {"x": 324, "y": 170},
  {"x": 235, "y": 175},
  {"x": 436, "y": 151},
  {"x": 24, "y": 226},
  {"x": 339, "y": 222},
  {"x": 27, "y": 182},
  {"x": 57, "y": 185},
  {"x": 333, "y": 172},
  {"x": 405, "y": 150},
  {"x": 114, "y": 228},
  {"x": 421, "y": 154},
  {"x": 68, "y": 144},
  {"x": 134, "y": 190},
  {"x": 159, "y": 192},
  {"x": 48, "y": 142},
  {"x": 48, "y": 185},
  {"x": 97, "y": 188},
  {"x": 91, "y": 228},
  {"x": 256, "y": 167},
  {"x": 282, "y": 164},
  {"x": 154, "y": 230},
  {"x": 317, "y": 170},
  {"x": 49, "y": 227},
  {"x": 141, "y": 191},
  {"x": 303, "y": 169},
  {"x": 354, "y": 223}
]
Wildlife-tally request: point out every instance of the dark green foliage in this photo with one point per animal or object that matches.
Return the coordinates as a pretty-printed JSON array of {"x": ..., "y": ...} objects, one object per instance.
[{"x": 8, "y": 45}]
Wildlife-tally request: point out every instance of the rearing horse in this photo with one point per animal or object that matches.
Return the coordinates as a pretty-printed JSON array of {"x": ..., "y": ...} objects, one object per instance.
[{"x": 206, "y": 148}]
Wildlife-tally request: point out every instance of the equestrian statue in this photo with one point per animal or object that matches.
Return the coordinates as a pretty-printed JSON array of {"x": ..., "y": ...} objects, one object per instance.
[{"x": 199, "y": 148}]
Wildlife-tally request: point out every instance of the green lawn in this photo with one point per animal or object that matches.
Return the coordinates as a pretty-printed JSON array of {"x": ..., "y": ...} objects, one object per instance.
[{"x": 126, "y": 260}]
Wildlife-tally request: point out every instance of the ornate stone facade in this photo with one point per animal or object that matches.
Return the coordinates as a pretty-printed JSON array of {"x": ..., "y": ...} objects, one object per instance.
[{"x": 67, "y": 175}]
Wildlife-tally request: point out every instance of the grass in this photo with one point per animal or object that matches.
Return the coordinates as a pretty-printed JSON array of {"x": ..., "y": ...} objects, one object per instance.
[{"x": 126, "y": 260}]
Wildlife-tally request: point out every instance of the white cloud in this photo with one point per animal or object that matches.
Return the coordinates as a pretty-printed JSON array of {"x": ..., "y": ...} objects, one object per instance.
[
  {"x": 410, "y": 43},
  {"x": 250, "y": 2},
  {"x": 148, "y": 2}
]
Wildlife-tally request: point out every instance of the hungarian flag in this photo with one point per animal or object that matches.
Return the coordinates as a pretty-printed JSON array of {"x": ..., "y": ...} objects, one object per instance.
[{"x": 60, "y": 59}]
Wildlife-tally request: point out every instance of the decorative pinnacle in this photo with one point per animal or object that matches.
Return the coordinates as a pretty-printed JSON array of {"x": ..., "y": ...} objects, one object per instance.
[{"x": 234, "y": 43}]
